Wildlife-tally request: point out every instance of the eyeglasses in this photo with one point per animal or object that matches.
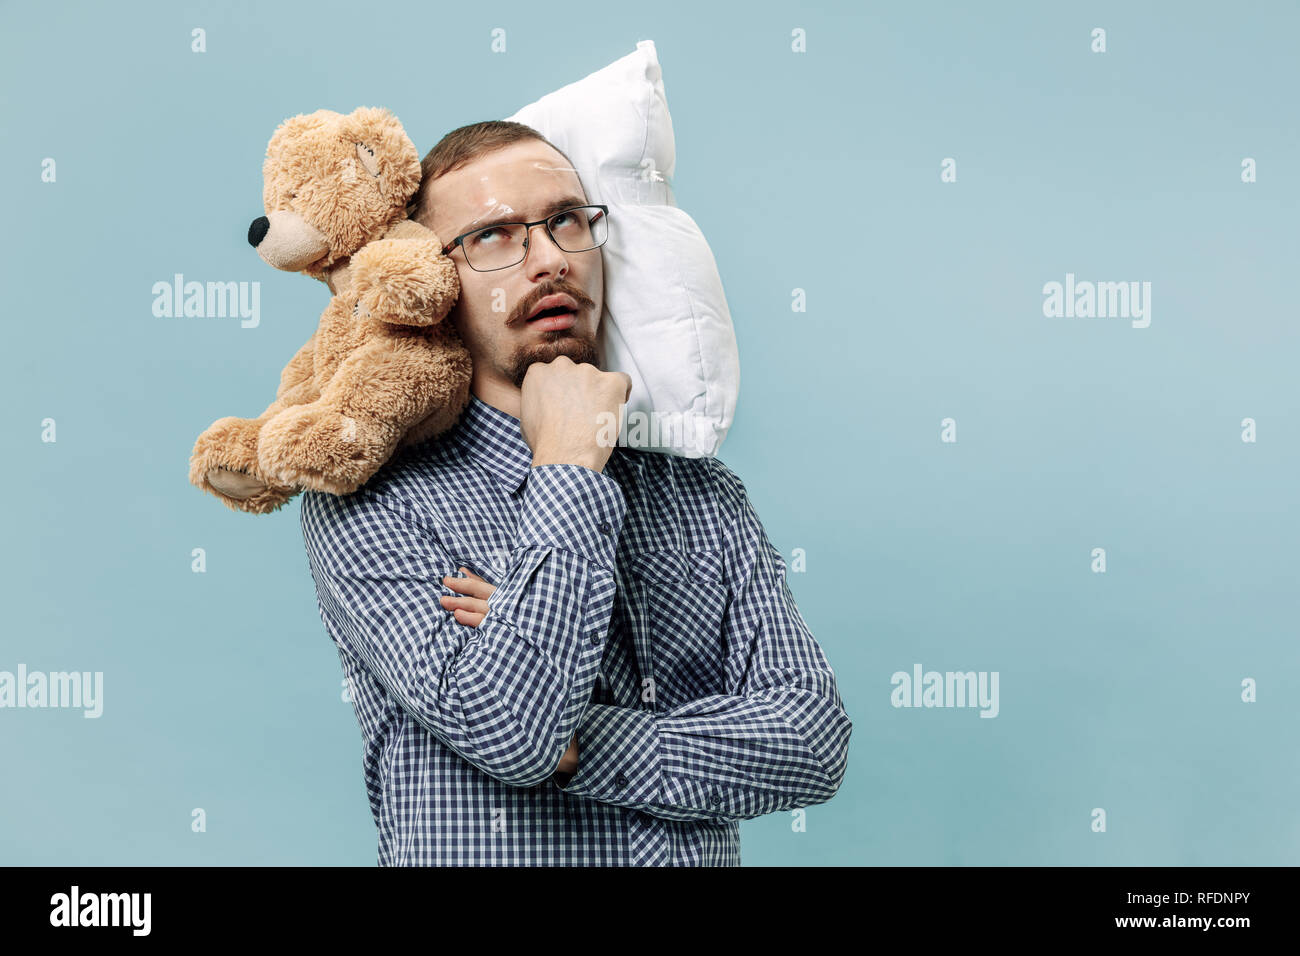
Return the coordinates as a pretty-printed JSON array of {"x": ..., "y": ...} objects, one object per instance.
[{"x": 576, "y": 229}]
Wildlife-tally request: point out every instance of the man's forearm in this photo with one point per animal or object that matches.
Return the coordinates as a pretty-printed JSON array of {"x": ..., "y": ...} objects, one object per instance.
[
  {"x": 529, "y": 665},
  {"x": 773, "y": 738},
  {"x": 717, "y": 758}
]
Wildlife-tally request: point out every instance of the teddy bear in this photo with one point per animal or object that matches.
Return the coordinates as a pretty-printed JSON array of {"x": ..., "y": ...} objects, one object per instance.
[{"x": 382, "y": 369}]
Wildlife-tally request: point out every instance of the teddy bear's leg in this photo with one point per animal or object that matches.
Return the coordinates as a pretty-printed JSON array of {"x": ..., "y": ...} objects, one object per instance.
[
  {"x": 224, "y": 464},
  {"x": 224, "y": 461},
  {"x": 297, "y": 385},
  {"x": 338, "y": 442}
]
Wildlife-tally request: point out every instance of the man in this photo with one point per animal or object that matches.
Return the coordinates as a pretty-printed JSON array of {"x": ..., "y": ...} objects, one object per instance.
[{"x": 621, "y": 675}]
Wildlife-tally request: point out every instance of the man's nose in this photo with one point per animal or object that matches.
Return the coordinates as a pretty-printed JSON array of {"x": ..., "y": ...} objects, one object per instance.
[{"x": 546, "y": 254}]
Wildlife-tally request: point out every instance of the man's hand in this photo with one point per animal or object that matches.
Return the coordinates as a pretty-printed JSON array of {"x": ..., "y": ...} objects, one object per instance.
[
  {"x": 569, "y": 762},
  {"x": 470, "y": 611},
  {"x": 472, "y": 608},
  {"x": 564, "y": 406}
]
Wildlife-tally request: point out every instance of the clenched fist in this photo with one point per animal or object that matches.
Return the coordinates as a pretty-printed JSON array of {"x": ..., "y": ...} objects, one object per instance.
[{"x": 563, "y": 408}]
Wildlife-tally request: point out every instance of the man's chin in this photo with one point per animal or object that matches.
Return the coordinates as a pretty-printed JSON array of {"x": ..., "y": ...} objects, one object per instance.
[{"x": 552, "y": 346}]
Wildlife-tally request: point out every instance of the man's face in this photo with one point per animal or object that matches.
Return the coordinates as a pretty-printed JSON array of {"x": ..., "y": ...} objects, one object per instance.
[{"x": 518, "y": 182}]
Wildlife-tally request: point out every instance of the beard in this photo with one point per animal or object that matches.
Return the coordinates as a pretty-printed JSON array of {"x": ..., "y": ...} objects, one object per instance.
[{"x": 553, "y": 345}]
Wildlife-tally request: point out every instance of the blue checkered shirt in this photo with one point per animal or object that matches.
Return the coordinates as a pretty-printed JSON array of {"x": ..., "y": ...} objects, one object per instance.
[{"x": 642, "y": 607}]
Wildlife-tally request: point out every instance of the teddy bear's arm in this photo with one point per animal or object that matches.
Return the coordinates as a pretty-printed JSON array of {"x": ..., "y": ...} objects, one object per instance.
[
  {"x": 404, "y": 281},
  {"x": 297, "y": 381}
]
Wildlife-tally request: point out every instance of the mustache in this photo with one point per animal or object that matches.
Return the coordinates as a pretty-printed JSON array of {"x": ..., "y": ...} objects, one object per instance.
[{"x": 520, "y": 316}]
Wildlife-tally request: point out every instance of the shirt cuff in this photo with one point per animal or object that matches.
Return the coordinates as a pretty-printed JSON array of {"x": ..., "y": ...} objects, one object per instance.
[
  {"x": 618, "y": 756},
  {"x": 574, "y": 509}
]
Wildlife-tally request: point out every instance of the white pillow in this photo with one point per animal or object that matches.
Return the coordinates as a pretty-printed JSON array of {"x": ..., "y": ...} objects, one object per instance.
[{"x": 665, "y": 321}]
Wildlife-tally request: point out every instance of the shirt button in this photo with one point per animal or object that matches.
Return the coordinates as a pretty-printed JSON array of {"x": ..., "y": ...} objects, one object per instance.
[
  {"x": 603, "y": 527},
  {"x": 597, "y": 638},
  {"x": 715, "y": 798},
  {"x": 620, "y": 781}
]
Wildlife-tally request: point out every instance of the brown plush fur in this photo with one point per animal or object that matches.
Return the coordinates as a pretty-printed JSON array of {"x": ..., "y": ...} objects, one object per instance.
[{"x": 382, "y": 369}]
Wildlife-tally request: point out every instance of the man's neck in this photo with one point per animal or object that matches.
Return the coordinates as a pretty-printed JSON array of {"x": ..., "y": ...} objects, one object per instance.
[{"x": 502, "y": 396}]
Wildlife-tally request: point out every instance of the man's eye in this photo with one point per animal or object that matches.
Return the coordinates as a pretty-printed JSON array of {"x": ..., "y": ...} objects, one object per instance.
[{"x": 485, "y": 236}]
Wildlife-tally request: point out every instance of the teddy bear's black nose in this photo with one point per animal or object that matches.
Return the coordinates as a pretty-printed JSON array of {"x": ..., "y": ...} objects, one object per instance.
[{"x": 257, "y": 230}]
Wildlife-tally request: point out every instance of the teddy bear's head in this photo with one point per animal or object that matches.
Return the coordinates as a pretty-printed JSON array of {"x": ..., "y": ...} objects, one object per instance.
[{"x": 331, "y": 183}]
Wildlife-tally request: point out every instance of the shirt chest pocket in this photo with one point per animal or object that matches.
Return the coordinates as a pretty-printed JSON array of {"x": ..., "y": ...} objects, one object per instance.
[{"x": 683, "y": 596}]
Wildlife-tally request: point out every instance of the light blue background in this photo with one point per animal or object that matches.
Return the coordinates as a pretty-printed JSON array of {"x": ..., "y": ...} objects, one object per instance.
[{"x": 818, "y": 171}]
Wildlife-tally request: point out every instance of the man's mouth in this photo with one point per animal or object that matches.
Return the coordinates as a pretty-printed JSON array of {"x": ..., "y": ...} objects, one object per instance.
[{"x": 554, "y": 312}]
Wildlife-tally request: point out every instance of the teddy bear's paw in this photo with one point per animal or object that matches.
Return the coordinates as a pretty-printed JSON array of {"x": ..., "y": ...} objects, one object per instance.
[
  {"x": 227, "y": 443},
  {"x": 320, "y": 449},
  {"x": 244, "y": 492},
  {"x": 224, "y": 464},
  {"x": 390, "y": 305},
  {"x": 404, "y": 282},
  {"x": 235, "y": 484}
]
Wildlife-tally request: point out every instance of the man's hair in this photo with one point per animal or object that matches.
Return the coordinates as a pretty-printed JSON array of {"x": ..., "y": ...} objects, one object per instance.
[{"x": 462, "y": 146}]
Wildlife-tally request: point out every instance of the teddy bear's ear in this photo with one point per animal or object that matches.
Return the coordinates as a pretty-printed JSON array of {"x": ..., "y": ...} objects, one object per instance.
[
  {"x": 385, "y": 151},
  {"x": 295, "y": 126},
  {"x": 368, "y": 158}
]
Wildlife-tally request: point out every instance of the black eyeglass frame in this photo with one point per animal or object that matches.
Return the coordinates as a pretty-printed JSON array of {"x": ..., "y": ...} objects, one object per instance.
[{"x": 528, "y": 231}]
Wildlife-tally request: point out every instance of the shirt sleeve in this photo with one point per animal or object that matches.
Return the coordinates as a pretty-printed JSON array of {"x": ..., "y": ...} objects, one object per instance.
[
  {"x": 778, "y": 738},
  {"x": 505, "y": 695}
]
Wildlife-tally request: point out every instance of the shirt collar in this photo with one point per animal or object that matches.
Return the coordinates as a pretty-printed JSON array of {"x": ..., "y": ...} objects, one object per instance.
[{"x": 495, "y": 440}]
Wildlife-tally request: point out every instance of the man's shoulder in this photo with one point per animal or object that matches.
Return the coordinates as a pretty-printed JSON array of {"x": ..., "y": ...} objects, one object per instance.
[
  {"x": 706, "y": 476},
  {"x": 659, "y": 462},
  {"x": 406, "y": 485}
]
